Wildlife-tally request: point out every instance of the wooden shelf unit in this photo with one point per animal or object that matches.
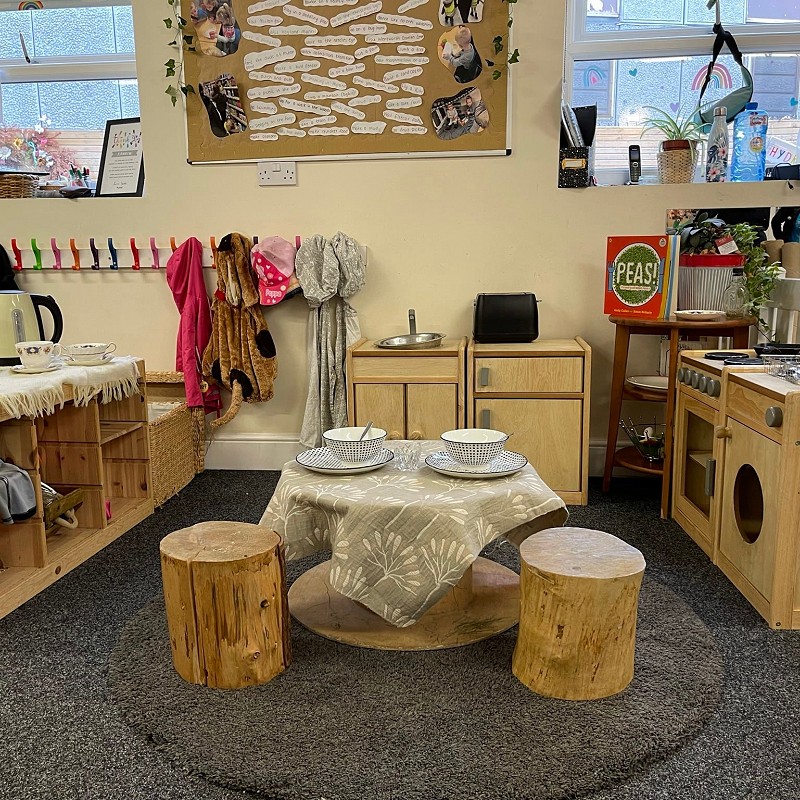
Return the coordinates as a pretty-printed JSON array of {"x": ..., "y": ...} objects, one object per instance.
[
  {"x": 101, "y": 449},
  {"x": 539, "y": 392}
]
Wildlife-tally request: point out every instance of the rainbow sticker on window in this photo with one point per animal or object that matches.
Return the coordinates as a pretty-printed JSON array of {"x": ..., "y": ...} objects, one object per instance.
[
  {"x": 720, "y": 78},
  {"x": 31, "y": 5},
  {"x": 592, "y": 76}
]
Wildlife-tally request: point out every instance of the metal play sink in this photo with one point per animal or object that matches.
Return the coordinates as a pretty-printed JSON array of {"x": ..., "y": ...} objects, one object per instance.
[{"x": 412, "y": 340}]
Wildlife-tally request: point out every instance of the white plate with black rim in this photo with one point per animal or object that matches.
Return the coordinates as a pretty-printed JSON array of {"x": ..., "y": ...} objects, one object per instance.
[
  {"x": 322, "y": 460},
  {"x": 507, "y": 463}
]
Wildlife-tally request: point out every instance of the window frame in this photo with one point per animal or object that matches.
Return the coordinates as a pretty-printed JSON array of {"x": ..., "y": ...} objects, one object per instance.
[{"x": 53, "y": 69}]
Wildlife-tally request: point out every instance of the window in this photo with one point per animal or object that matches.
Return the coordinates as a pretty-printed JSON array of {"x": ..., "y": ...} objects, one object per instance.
[
  {"x": 623, "y": 55},
  {"x": 82, "y": 72}
]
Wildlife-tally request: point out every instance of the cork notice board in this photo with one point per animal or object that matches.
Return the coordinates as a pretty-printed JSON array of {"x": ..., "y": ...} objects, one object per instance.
[{"x": 304, "y": 78}]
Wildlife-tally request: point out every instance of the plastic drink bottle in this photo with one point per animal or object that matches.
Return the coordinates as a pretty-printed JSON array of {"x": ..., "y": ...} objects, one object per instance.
[{"x": 749, "y": 145}]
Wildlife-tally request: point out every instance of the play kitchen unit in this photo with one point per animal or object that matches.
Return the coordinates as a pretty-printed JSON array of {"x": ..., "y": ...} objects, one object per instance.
[
  {"x": 736, "y": 479},
  {"x": 417, "y": 386}
]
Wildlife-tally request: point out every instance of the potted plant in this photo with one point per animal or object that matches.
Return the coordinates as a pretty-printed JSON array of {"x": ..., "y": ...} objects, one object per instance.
[{"x": 678, "y": 150}]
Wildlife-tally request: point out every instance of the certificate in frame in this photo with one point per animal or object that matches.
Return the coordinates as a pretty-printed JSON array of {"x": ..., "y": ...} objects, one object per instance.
[{"x": 122, "y": 161}]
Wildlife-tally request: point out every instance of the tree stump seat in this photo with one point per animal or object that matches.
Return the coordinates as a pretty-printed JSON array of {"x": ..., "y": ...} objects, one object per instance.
[
  {"x": 225, "y": 595},
  {"x": 579, "y": 590}
]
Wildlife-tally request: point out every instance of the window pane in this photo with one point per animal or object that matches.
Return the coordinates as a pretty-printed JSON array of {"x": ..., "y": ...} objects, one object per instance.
[
  {"x": 123, "y": 28},
  {"x": 19, "y": 104},
  {"x": 82, "y": 105},
  {"x": 652, "y": 11},
  {"x": 591, "y": 86},
  {"x": 12, "y": 23},
  {"x": 602, "y": 8},
  {"x": 773, "y": 10},
  {"x": 73, "y": 31},
  {"x": 129, "y": 93}
]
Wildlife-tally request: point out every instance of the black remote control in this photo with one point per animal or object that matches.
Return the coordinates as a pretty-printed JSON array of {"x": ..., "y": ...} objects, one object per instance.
[{"x": 635, "y": 162}]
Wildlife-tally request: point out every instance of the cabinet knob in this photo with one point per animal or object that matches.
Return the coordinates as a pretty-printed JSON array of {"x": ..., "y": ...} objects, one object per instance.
[
  {"x": 486, "y": 418},
  {"x": 712, "y": 387},
  {"x": 484, "y": 376},
  {"x": 415, "y": 436},
  {"x": 773, "y": 416},
  {"x": 695, "y": 379},
  {"x": 681, "y": 374},
  {"x": 702, "y": 383},
  {"x": 721, "y": 432},
  {"x": 395, "y": 435}
]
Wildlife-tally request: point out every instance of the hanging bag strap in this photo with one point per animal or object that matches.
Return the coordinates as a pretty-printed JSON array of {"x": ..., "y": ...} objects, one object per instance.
[{"x": 738, "y": 98}]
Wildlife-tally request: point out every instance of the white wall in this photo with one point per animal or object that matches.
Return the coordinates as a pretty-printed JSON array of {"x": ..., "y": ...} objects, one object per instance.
[{"x": 438, "y": 230}]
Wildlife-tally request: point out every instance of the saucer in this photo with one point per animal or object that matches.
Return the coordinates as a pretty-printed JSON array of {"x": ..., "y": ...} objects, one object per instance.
[
  {"x": 20, "y": 370},
  {"x": 322, "y": 460},
  {"x": 507, "y": 463},
  {"x": 98, "y": 362},
  {"x": 699, "y": 315}
]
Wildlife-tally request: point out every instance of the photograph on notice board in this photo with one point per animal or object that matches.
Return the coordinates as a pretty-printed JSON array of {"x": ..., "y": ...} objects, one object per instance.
[
  {"x": 460, "y": 12},
  {"x": 464, "y": 113},
  {"x": 224, "y": 106},
  {"x": 458, "y": 53},
  {"x": 216, "y": 28}
]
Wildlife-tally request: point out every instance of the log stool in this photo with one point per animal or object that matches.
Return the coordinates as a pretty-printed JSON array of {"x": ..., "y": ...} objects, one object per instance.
[
  {"x": 225, "y": 595},
  {"x": 577, "y": 630}
]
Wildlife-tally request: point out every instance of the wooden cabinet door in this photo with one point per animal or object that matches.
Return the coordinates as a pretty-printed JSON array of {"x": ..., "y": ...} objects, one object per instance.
[
  {"x": 431, "y": 409},
  {"x": 748, "y": 529},
  {"x": 547, "y": 432},
  {"x": 532, "y": 375},
  {"x": 384, "y": 404}
]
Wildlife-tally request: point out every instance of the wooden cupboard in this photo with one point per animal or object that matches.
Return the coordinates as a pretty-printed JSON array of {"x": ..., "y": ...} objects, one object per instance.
[
  {"x": 540, "y": 393},
  {"x": 101, "y": 449},
  {"x": 411, "y": 394}
]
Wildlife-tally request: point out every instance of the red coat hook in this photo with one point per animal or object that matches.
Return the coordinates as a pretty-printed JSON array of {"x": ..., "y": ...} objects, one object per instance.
[
  {"x": 172, "y": 243},
  {"x": 17, "y": 256},
  {"x": 135, "y": 250},
  {"x": 76, "y": 256},
  {"x": 154, "y": 251},
  {"x": 56, "y": 254}
]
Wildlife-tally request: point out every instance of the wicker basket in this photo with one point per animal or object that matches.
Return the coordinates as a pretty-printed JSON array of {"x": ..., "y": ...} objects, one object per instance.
[
  {"x": 16, "y": 185},
  {"x": 676, "y": 166},
  {"x": 177, "y": 438}
]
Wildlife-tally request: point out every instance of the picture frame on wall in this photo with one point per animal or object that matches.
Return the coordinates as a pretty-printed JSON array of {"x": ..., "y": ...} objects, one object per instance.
[{"x": 122, "y": 160}]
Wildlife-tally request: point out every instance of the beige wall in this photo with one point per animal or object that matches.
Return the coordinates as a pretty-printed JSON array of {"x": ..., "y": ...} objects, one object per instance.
[{"x": 438, "y": 230}]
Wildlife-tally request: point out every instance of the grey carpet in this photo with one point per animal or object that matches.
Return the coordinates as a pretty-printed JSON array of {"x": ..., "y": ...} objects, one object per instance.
[
  {"x": 61, "y": 737},
  {"x": 347, "y": 723}
]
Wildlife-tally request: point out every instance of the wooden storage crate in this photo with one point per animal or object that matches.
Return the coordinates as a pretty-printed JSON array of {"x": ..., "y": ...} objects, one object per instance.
[{"x": 177, "y": 437}]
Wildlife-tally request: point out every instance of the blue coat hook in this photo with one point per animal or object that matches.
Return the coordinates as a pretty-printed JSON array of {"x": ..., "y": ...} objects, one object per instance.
[{"x": 113, "y": 252}]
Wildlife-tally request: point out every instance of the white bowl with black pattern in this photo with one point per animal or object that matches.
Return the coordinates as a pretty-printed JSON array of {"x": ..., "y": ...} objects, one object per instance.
[
  {"x": 346, "y": 443},
  {"x": 474, "y": 446}
]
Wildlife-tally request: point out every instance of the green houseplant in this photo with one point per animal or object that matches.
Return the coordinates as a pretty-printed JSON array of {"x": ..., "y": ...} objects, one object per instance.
[{"x": 678, "y": 149}]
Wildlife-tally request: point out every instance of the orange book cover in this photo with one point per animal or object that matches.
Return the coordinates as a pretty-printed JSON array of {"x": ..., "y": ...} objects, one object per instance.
[{"x": 641, "y": 276}]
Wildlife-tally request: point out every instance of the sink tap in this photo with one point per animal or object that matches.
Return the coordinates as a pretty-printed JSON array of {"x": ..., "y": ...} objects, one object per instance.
[{"x": 412, "y": 322}]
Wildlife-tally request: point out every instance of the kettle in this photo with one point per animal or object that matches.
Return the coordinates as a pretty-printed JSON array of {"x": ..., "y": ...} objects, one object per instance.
[{"x": 21, "y": 321}]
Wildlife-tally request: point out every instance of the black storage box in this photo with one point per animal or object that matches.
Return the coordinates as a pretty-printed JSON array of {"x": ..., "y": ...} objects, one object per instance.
[
  {"x": 576, "y": 164},
  {"x": 505, "y": 318}
]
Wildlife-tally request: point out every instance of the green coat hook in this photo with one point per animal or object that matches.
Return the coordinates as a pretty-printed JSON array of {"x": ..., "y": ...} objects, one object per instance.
[{"x": 37, "y": 254}]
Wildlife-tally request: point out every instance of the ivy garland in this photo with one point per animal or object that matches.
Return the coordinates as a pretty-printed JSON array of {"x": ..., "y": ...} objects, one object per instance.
[
  {"x": 500, "y": 44},
  {"x": 185, "y": 43}
]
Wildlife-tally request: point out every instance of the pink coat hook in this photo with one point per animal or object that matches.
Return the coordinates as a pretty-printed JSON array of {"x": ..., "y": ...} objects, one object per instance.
[
  {"x": 56, "y": 254},
  {"x": 76, "y": 256},
  {"x": 135, "y": 250},
  {"x": 154, "y": 251},
  {"x": 17, "y": 256}
]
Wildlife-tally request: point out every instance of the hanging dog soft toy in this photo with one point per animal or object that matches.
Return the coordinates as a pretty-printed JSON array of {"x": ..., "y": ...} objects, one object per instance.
[{"x": 241, "y": 354}]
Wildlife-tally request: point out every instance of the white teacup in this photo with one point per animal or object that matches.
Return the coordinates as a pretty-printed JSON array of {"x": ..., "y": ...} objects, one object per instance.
[
  {"x": 90, "y": 351},
  {"x": 37, "y": 355}
]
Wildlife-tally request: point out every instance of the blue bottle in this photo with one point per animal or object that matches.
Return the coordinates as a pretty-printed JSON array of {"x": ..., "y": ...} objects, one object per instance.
[{"x": 749, "y": 145}]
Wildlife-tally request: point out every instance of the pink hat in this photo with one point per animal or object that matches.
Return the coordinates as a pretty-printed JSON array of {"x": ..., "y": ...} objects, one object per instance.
[{"x": 273, "y": 262}]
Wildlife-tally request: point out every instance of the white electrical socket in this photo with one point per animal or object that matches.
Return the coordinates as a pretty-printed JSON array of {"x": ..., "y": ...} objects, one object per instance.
[{"x": 277, "y": 173}]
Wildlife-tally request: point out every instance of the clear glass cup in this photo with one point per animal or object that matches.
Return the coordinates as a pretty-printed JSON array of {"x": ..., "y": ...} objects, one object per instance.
[{"x": 406, "y": 456}]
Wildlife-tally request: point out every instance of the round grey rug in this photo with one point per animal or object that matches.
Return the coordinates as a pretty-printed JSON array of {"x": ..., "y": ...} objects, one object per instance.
[{"x": 344, "y": 723}]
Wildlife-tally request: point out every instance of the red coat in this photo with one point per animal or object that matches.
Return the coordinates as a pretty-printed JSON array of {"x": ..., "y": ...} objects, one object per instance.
[{"x": 185, "y": 280}]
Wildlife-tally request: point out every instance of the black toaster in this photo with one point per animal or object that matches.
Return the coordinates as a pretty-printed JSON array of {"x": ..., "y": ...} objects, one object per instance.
[{"x": 501, "y": 318}]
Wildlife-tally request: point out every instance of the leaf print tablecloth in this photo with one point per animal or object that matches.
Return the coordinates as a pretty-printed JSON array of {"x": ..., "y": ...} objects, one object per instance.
[{"x": 401, "y": 540}]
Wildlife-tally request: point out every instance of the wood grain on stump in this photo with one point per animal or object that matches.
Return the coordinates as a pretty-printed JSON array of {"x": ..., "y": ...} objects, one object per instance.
[
  {"x": 225, "y": 595},
  {"x": 577, "y": 631}
]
